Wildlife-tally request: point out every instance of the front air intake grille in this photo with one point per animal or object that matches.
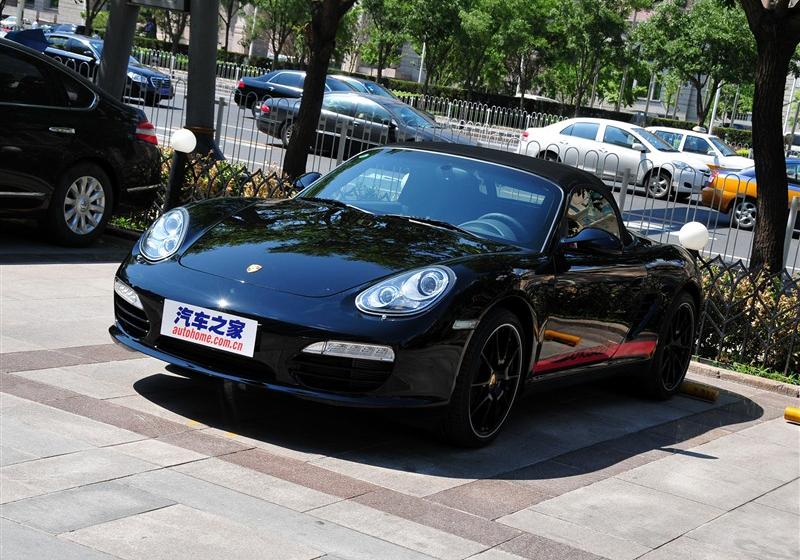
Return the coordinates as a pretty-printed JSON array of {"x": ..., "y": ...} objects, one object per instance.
[
  {"x": 133, "y": 320},
  {"x": 342, "y": 375},
  {"x": 220, "y": 361}
]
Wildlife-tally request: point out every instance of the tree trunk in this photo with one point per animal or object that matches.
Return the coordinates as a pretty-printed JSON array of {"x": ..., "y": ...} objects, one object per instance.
[
  {"x": 322, "y": 41},
  {"x": 774, "y": 53}
]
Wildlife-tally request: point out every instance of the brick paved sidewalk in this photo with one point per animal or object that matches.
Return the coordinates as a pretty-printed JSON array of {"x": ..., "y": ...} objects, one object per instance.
[{"x": 105, "y": 454}]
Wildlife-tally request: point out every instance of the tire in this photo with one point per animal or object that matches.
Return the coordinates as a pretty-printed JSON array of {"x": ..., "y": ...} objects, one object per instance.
[
  {"x": 744, "y": 214},
  {"x": 660, "y": 186},
  {"x": 550, "y": 156},
  {"x": 674, "y": 351},
  {"x": 80, "y": 205},
  {"x": 683, "y": 197},
  {"x": 286, "y": 133},
  {"x": 483, "y": 396},
  {"x": 152, "y": 99}
]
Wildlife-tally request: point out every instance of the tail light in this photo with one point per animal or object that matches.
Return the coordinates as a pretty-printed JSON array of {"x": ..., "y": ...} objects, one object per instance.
[
  {"x": 524, "y": 134},
  {"x": 264, "y": 108},
  {"x": 240, "y": 85},
  {"x": 714, "y": 174},
  {"x": 146, "y": 132}
]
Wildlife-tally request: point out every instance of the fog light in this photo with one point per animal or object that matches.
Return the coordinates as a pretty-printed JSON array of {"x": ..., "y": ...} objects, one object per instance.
[
  {"x": 127, "y": 293},
  {"x": 351, "y": 350}
]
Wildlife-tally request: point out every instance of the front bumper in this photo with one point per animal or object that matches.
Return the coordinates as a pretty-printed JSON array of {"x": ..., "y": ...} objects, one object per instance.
[{"x": 422, "y": 374}]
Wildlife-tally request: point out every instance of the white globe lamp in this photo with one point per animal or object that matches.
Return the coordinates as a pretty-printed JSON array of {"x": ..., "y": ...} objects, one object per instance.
[
  {"x": 183, "y": 140},
  {"x": 693, "y": 236}
]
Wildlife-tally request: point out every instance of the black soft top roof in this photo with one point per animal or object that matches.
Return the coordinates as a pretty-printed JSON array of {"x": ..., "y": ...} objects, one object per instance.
[{"x": 559, "y": 173}]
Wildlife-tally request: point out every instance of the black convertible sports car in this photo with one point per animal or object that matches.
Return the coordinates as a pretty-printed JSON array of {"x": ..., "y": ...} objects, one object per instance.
[{"x": 414, "y": 275}]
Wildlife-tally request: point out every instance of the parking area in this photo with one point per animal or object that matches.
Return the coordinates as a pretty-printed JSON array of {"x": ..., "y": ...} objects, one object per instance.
[{"x": 106, "y": 454}]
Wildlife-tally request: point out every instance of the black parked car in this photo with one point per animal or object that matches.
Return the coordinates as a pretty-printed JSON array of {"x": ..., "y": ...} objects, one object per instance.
[
  {"x": 369, "y": 120},
  {"x": 279, "y": 83},
  {"x": 69, "y": 153},
  {"x": 414, "y": 276},
  {"x": 142, "y": 82},
  {"x": 365, "y": 86}
]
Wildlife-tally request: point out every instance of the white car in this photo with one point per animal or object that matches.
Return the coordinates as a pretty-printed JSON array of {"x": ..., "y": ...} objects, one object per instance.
[
  {"x": 703, "y": 148},
  {"x": 608, "y": 148}
]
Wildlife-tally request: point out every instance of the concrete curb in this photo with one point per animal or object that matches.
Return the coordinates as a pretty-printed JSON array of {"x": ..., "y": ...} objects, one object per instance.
[
  {"x": 763, "y": 383},
  {"x": 117, "y": 231}
]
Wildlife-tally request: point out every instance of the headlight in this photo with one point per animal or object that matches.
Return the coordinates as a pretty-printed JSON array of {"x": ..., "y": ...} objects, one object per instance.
[
  {"x": 407, "y": 293},
  {"x": 165, "y": 236},
  {"x": 137, "y": 77},
  {"x": 682, "y": 165}
]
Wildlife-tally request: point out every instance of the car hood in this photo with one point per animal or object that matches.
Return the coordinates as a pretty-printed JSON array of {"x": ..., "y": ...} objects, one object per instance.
[
  {"x": 315, "y": 249},
  {"x": 145, "y": 71},
  {"x": 736, "y": 162}
]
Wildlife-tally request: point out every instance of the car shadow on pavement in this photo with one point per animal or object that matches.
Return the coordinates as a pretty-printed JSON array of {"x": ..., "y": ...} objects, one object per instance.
[
  {"x": 558, "y": 434},
  {"x": 23, "y": 242}
]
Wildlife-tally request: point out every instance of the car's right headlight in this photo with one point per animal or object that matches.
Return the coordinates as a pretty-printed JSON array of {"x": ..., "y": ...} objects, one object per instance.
[
  {"x": 137, "y": 77},
  {"x": 165, "y": 236}
]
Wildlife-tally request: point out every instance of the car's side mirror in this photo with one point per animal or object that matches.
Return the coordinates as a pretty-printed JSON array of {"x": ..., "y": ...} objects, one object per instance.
[
  {"x": 591, "y": 240},
  {"x": 639, "y": 147},
  {"x": 305, "y": 180}
]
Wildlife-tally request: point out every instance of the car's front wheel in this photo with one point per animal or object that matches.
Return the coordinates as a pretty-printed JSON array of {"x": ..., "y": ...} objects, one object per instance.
[
  {"x": 81, "y": 205},
  {"x": 659, "y": 185},
  {"x": 674, "y": 351},
  {"x": 287, "y": 128},
  {"x": 488, "y": 382},
  {"x": 744, "y": 214}
]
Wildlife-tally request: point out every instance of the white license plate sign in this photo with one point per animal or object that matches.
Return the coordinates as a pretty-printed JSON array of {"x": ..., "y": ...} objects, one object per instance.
[{"x": 208, "y": 327}]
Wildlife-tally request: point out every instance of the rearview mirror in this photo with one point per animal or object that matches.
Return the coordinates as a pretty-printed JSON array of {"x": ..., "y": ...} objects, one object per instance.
[
  {"x": 590, "y": 240},
  {"x": 305, "y": 180},
  {"x": 639, "y": 147}
]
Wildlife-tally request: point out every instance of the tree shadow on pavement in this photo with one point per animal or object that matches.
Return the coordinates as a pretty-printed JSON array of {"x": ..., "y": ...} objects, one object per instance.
[{"x": 569, "y": 434}]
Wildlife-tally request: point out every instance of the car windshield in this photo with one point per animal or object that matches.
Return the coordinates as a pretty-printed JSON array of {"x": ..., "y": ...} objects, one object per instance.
[
  {"x": 377, "y": 89},
  {"x": 654, "y": 140},
  {"x": 412, "y": 117},
  {"x": 723, "y": 148},
  {"x": 98, "y": 47},
  {"x": 478, "y": 198}
]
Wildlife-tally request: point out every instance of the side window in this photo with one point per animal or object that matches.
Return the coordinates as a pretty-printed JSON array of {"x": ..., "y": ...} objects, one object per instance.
[
  {"x": 589, "y": 208},
  {"x": 671, "y": 138},
  {"x": 25, "y": 81},
  {"x": 568, "y": 131},
  {"x": 697, "y": 145},
  {"x": 791, "y": 172},
  {"x": 289, "y": 79},
  {"x": 338, "y": 105},
  {"x": 57, "y": 42},
  {"x": 372, "y": 112},
  {"x": 78, "y": 95},
  {"x": 618, "y": 137},
  {"x": 75, "y": 46},
  {"x": 585, "y": 130}
]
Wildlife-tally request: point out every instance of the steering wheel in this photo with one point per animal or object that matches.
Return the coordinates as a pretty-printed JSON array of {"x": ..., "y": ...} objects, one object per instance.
[{"x": 508, "y": 221}]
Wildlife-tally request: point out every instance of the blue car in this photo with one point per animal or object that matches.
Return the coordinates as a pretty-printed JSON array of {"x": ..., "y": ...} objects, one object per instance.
[{"x": 143, "y": 82}]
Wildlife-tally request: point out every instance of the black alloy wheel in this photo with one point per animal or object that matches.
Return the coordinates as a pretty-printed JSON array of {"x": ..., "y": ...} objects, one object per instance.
[
  {"x": 675, "y": 345},
  {"x": 488, "y": 381}
]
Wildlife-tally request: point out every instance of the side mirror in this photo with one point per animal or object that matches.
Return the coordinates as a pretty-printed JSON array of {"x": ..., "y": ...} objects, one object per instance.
[
  {"x": 591, "y": 240},
  {"x": 305, "y": 180},
  {"x": 639, "y": 147}
]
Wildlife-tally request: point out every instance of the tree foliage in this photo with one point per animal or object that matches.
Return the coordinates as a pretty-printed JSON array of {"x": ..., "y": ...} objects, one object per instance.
[
  {"x": 277, "y": 22},
  {"x": 386, "y": 31}
]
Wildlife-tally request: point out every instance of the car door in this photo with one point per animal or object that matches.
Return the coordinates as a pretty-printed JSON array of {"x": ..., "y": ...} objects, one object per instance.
[
  {"x": 596, "y": 293},
  {"x": 701, "y": 148},
  {"x": 618, "y": 154},
  {"x": 371, "y": 124},
  {"x": 578, "y": 144},
  {"x": 286, "y": 84},
  {"x": 39, "y": 129}
]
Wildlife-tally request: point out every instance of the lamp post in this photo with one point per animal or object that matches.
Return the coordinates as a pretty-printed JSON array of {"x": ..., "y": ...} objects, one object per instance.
[{"x": 183, "y": 143}]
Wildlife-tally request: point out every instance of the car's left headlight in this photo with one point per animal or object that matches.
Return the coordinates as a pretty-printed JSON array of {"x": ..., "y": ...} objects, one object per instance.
[
  {"x": 682, "y": 165},
  {"x": 137, "y": 77},
  {"x": 408, "y": 293},
  {"x": 165, "y": 236}
]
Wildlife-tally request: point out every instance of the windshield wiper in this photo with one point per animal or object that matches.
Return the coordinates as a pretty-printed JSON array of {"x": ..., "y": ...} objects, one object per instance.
[{"x": 435, "y": 223}]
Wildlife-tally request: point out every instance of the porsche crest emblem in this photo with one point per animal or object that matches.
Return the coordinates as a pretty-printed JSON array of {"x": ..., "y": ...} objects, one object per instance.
[{"x": 253, "y": 268}]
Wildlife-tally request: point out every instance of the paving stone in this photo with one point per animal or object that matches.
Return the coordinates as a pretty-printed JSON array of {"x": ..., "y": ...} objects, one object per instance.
[
  {"x": 70, "y": 378},
  {"x": 495, "y": 554},
  {"x": 713, "y": 482},
  {"x": 489, "y": 498},
  {"x": 785, "y": 498},
  {"x": 755, "y": 455},
  {"x": 440, "y": 517},
  {"x": 777, "y": 431},
  {"x": 35, "y": 359},
  {"x": 627, "y": 511},
  {"x": 259, "y": 485},
  {"x": 72, "y": 427},
  {"x": 553, "y": 477},
  {"x": 260, "y": 515},
  {"x": 13, "y": 490},
  {"x": 690, "y": 549},
  {"x": 203, "y": 443},
  {"x": 158, "y": 452},
  {"x": 7, "y": 400},
  {"x": 32, "y": 390},
  {"x": 755, "y": 530},
  {"x": 574, "y": 535},
  {"x": 398, "y": 530},
  {"x": 24, "y": 543},
  {"x": 76, "y": 508},
  {"x": 10, "y": 456},
  {"x": 305, "y": 474},
  {"x": 537, "y": 547},
  {"x": 76, "y": 469},
  {"x": 162, "y": 535}
]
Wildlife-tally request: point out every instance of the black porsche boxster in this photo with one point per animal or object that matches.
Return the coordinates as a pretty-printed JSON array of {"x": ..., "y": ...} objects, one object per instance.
[{"x": 414, "y": 276}]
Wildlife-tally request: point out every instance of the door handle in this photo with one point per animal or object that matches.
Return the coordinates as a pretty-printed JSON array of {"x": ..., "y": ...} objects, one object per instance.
[{"x": 62, "y": 129}]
